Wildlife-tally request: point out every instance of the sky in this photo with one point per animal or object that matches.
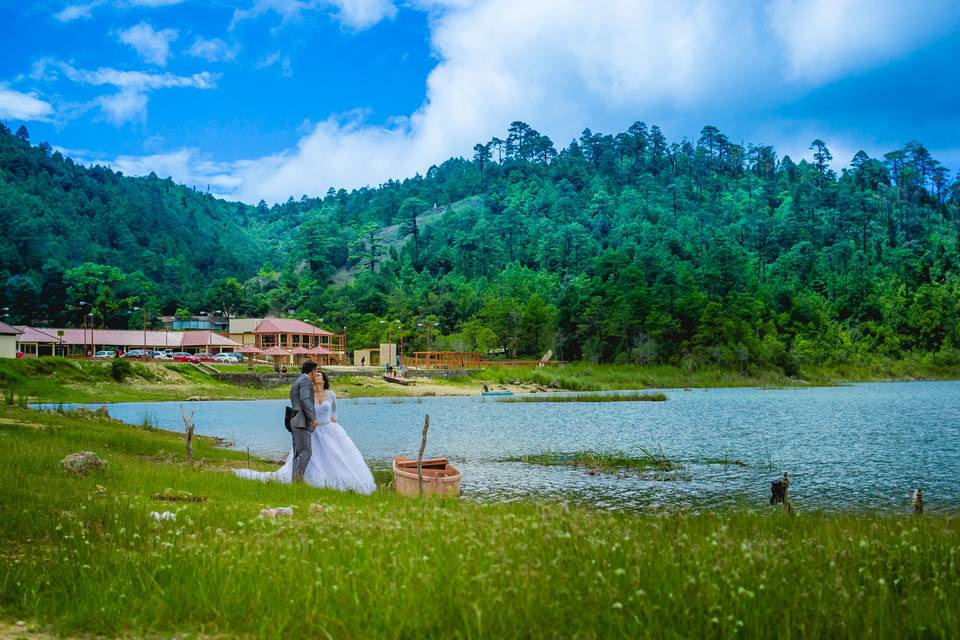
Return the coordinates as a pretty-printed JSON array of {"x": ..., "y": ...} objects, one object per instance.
[{"x": 267, "y": 99}]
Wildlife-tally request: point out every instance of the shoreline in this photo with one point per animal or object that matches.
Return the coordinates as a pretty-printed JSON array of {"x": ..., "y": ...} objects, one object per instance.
[{"x": 59, "y": 381}]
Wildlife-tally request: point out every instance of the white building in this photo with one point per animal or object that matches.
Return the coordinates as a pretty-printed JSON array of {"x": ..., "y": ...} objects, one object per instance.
[{"x": 8, "y": 340}]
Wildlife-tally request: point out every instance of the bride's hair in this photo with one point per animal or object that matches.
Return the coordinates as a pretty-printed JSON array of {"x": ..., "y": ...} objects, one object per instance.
[{"x": 326, "y": 380}]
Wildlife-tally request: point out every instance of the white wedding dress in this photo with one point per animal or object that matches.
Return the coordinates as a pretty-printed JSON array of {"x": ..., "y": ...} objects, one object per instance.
[{"x": 335, "y": 462}]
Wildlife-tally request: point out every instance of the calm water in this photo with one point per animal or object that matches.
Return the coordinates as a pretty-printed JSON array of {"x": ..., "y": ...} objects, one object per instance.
[{"x": 863, "y": 446}]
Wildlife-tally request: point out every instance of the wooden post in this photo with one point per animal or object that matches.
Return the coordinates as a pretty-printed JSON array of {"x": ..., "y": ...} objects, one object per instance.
[
  {"x": 786, "y": 493},
  {"x": 188, "y": 432},
  {"x": 918, "y": 501},
  {"x": 423, "y": 445}
]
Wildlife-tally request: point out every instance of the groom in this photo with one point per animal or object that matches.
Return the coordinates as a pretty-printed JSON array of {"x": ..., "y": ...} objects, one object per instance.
[{"x": 305, "y": 421}]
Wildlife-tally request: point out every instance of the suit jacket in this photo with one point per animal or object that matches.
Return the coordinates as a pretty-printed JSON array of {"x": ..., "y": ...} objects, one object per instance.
[{"x": 301, "y": 400}]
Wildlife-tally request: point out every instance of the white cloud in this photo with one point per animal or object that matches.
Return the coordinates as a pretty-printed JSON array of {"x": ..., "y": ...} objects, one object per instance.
[
  {"x": 214, "y": 50},
  {"x": 363, "y": 14},
  {"x": 826, "y": 38},
  {"x": 124, "y": 106},
  {"x": 187, "y": 166},
  {"x": 73, "y": 12},
  {"x": 286, "y": 66},
  {"x": 354, "y": 14},
  {"x": 129, "y": 103},
  {"x": 152, "y": 45},
  {"x": 22, "y": 106}
]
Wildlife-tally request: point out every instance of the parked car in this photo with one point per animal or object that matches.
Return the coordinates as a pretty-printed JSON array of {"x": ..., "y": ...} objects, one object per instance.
[
  {"x": 135, "y": 353},
  {"x": 203, "y": 356},
  {"x": 158, "y": 355},
  {"x": 104, "y": 354},
  {"x": 183, "y": 356},
  {"x": 236, "y": 356},
  {"x": 225, "y": 358},
  {"x": 20, "y": 354}
]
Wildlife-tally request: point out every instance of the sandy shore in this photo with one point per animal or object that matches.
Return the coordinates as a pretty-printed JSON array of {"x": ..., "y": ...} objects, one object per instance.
[{"x": 428, "y": 387}]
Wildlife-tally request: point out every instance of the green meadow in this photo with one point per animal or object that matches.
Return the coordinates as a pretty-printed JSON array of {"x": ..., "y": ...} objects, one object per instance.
[{"x": 82, "y": 556}]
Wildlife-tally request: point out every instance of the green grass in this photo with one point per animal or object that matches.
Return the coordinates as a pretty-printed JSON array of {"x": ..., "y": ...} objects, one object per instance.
[
  {"x": 582, "y": 376},
  {"x": 602, "y": 462},
  {"x": 82, "y": 556},
  {"x": 592, "y": 397}
]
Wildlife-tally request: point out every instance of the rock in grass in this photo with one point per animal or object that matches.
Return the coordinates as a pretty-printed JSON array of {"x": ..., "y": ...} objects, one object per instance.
[
  {"x": 277, "y": 512},
  {"x": 83, "y": 462}
]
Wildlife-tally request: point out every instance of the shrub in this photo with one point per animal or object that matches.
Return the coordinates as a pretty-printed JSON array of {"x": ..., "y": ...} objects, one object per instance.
[{"x": 120, "y": 369}]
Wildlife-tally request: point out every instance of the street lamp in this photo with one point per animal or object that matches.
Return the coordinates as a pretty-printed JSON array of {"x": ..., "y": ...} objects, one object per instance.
[
  {"x": 82, "y": 304},
  {"x": 144, "y": 328}
]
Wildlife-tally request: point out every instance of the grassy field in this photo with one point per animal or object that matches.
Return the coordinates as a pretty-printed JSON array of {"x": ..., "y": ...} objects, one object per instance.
[
  {"x": 59, "y": 380},
  {"x": 581, "y": 376},
  {"x": 81, "y": 555}
]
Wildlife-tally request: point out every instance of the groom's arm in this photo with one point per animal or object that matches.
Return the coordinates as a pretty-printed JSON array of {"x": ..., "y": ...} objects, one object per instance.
[{"x": 306, "y": 403}]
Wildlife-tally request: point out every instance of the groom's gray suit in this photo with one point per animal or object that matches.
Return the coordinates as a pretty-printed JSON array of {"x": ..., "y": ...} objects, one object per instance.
[{"x": 301, "y": 400}]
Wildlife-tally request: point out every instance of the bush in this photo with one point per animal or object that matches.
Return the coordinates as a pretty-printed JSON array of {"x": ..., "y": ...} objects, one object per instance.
[{"x": 120, "y": 369}]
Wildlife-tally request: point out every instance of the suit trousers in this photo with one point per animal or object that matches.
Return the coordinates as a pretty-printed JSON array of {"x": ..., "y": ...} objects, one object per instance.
[{"x": 301, "y": 452}]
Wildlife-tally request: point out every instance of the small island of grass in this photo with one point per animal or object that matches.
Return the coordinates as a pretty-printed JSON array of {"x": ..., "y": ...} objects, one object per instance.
[
  {"x": 593, "y": 397},
  {"x": 602, "y": 462}
]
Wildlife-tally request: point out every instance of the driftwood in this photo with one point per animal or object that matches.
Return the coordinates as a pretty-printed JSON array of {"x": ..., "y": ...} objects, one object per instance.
[
  {"x": 423, "y": 445},
  {"x": 188, "y": 432}
]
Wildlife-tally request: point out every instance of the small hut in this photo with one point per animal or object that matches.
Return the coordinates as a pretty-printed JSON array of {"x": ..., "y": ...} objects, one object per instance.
[
  {"x": 249, "y": 351},
  {"x": 322, "y": 355},
  {"x": 279, "y": 354},
  {"x": 299, "y": 353}
]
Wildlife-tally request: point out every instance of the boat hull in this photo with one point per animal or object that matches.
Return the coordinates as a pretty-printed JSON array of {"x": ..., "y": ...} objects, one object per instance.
[
  {"x": 496, "y": 393},
  {"x": 440, "y": 478}
]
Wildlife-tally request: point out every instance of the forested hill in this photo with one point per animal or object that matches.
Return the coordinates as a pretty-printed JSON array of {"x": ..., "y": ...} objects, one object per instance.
[{"x": 615, "y": 248}]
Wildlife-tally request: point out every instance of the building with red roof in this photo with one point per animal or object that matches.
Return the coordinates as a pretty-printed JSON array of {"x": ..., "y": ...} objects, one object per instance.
[
  {"x": 33, "y": 341},
  {"x": 288, "y": 333}
]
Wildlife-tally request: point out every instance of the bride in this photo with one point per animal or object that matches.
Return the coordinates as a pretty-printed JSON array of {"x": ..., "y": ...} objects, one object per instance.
[{"x": 336, "y": 462}]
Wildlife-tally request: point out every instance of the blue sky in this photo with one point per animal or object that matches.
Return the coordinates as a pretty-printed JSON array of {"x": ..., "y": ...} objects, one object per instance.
[{"x": 272, "y": 98}]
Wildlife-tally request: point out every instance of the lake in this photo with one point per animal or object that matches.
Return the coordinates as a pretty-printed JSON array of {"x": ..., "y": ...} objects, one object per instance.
[{"x": 864, "y": 446}]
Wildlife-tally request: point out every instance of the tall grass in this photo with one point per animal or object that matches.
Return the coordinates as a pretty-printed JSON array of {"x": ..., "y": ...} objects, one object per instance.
[
  {"x": 82, "y": 556},
  {"x": 605, "y": 462}
]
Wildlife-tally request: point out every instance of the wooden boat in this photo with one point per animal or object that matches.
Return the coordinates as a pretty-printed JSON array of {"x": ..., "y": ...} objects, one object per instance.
[
  {"x": 403, "y": 381},
  {"x": 505, "y": 392},
  {"x": 440, "y": 478}
]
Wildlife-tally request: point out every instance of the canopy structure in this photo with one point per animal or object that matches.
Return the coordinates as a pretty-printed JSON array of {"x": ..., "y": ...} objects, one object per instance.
[
  {"x": 249, "y": 350},
  {"x": 323, "y": 355},
  {"x": 279, "y": 355},
  {"x": 299, "y": 353}
]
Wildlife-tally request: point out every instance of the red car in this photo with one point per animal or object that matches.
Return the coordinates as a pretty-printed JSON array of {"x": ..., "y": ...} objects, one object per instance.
[
  {"x": 203, "y": 356},
  {"x": 183, "y": 356}
]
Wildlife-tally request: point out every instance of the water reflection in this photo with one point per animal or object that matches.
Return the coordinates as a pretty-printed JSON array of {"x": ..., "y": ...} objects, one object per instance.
[{"x": 863, "y": 446}]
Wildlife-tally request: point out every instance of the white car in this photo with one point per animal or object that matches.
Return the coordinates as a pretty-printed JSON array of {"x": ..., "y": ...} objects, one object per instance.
[
  {"x": 104, "y": 354},
  {"x": 225, "y": 358}
]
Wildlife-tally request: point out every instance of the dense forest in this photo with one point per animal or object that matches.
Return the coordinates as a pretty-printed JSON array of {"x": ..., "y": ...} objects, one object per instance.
[{"x": 616, "y": 248}]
